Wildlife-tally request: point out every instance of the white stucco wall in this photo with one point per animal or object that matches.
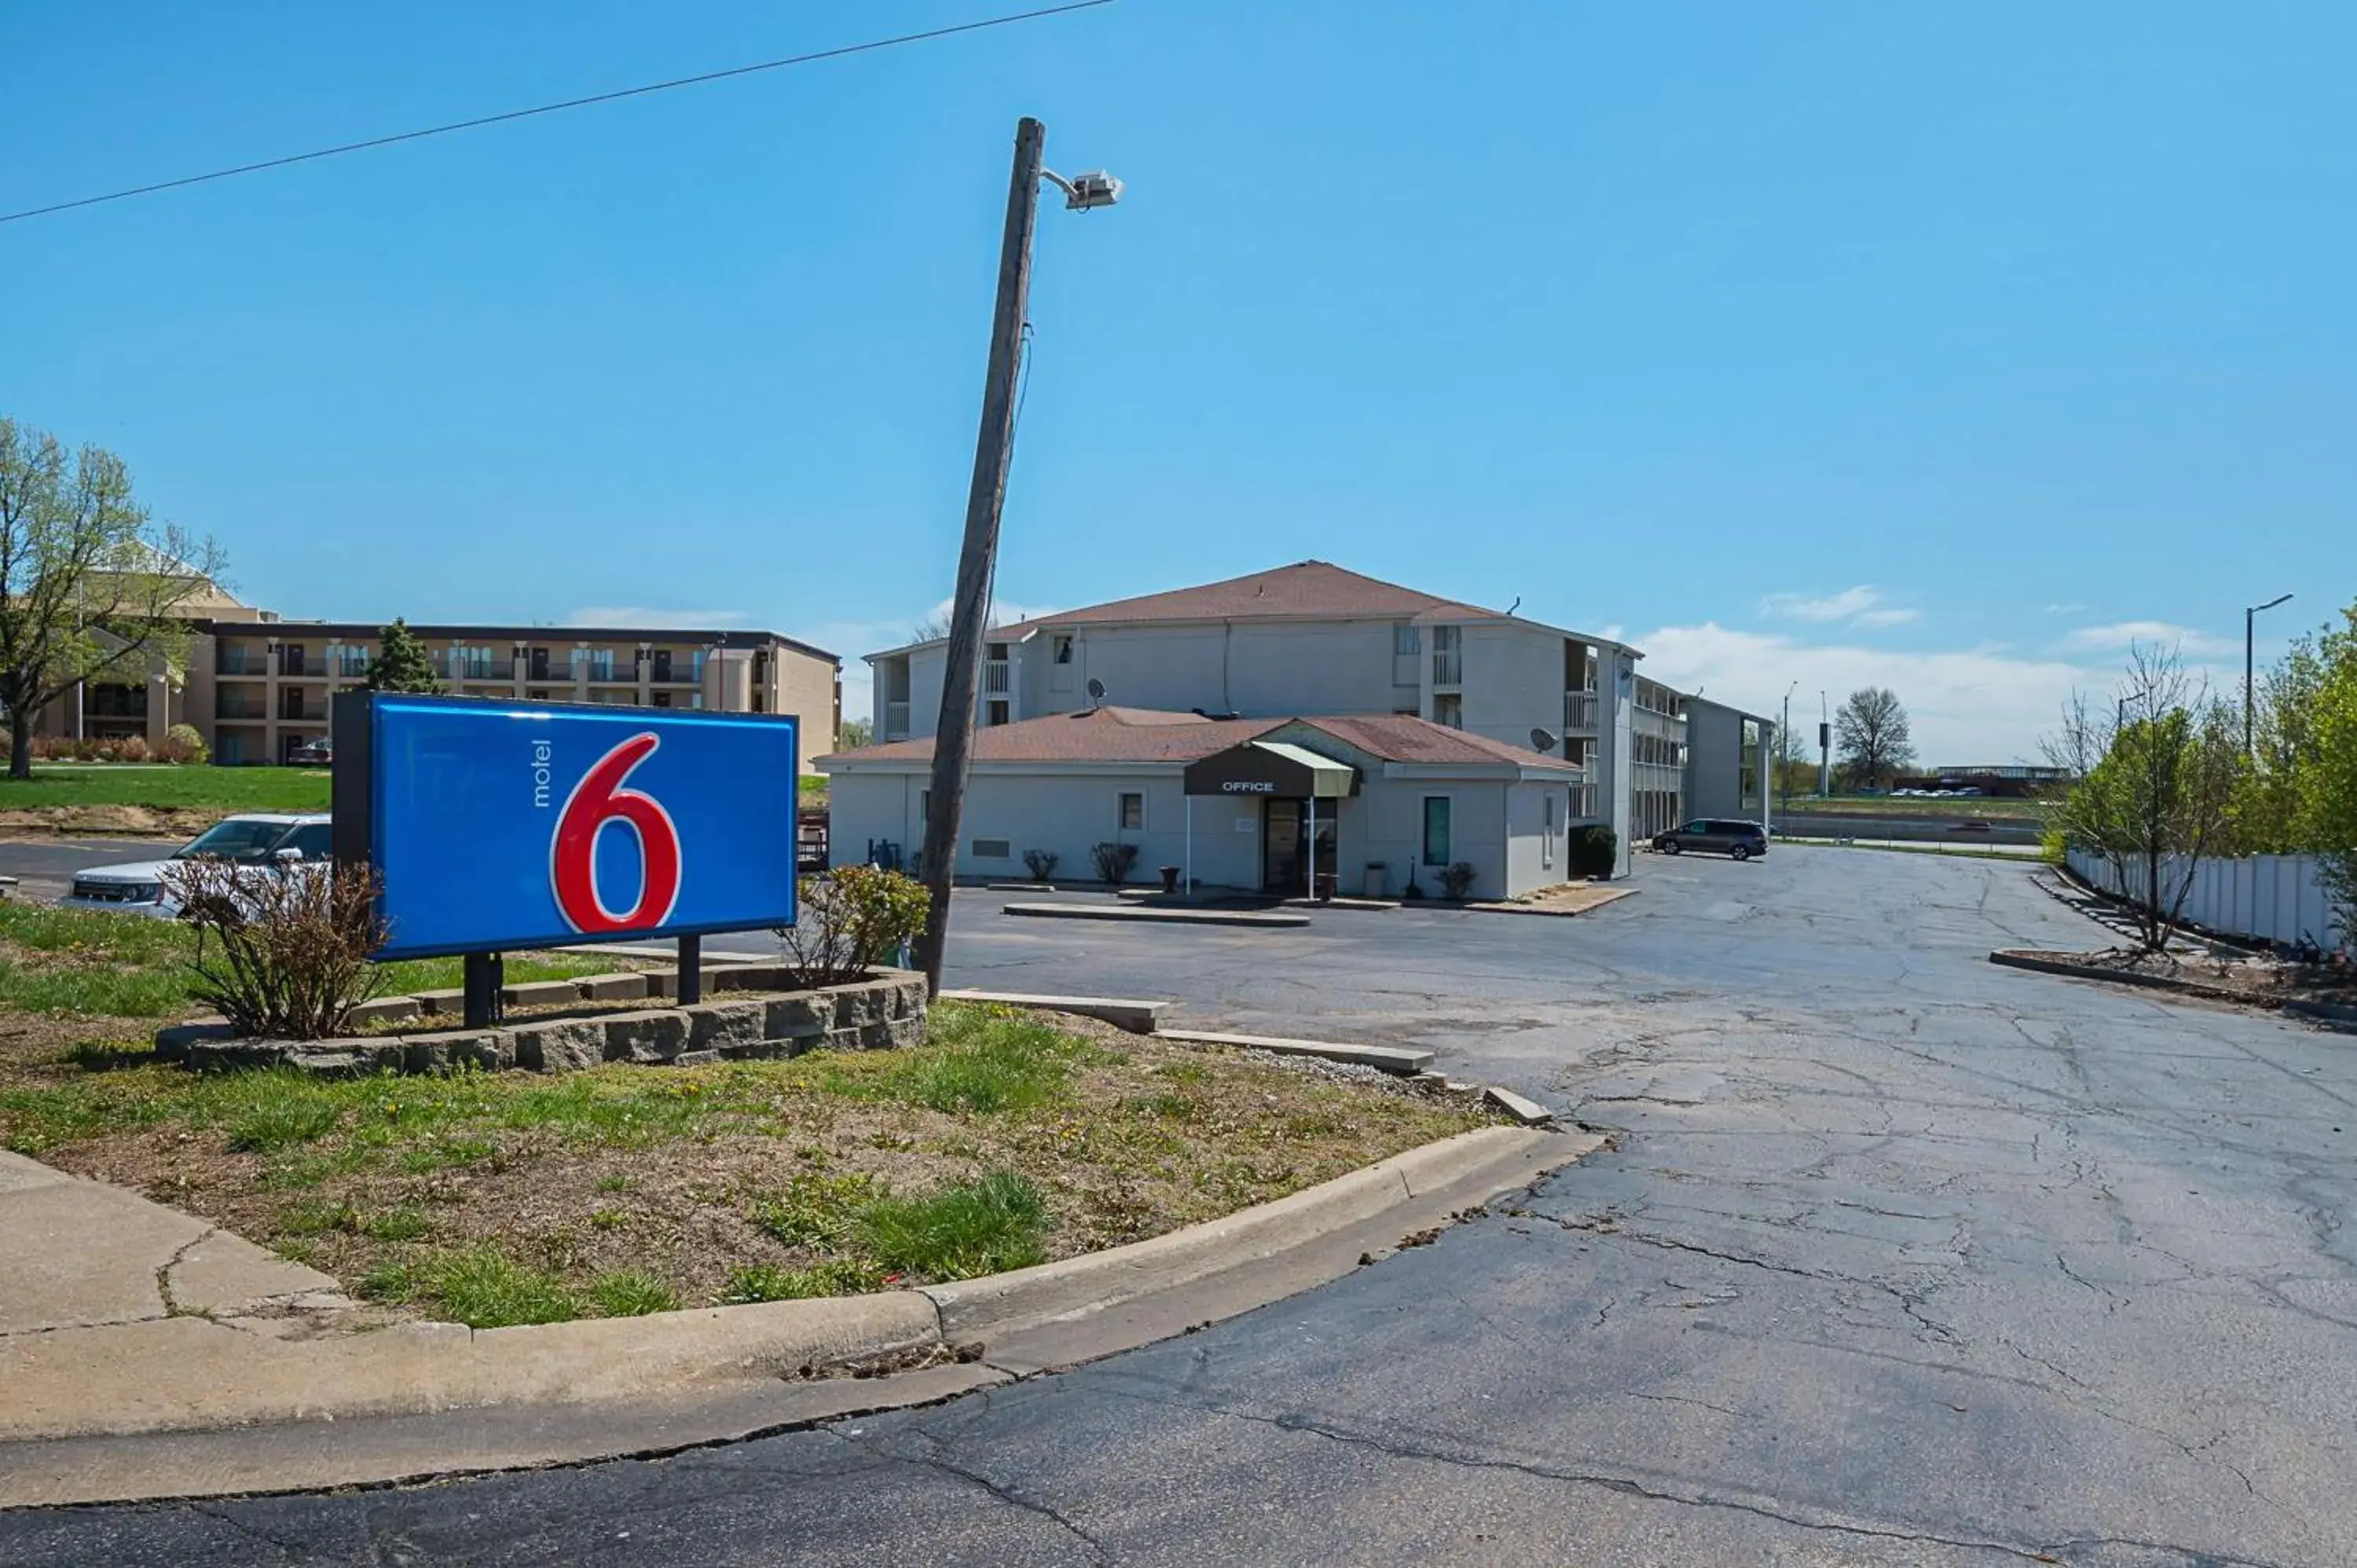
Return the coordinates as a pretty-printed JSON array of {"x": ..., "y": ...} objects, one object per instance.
[
  {"x": 1062, "y": 812},
  {"x": 1535, "y": 851},
  {"x": 1513, "y": 682}
]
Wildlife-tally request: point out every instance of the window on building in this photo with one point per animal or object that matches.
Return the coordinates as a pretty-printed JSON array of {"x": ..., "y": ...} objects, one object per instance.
[
  {"x": 994, "y": 849},
  {"x": 1132, "y": 810},
  {"x": 661, "y": 699},
  {"x": 1448, "y": 708},
  {"x": 1061, "y": 643},
  {"x": 1448, "y": 667},
  {"x": 1436, "y": 829},
  {"x": 115, "y": 700},
  {"x": 1406, "y": 639},
  {"x": 997, "y": 713}
]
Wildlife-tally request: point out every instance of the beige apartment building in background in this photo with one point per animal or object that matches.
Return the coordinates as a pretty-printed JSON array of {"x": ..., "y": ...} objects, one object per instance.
[{"x": 257, "y": 686}]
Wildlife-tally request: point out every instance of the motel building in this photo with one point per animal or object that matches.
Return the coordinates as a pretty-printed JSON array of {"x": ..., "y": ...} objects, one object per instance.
[{"x": 1376, "y": 802}]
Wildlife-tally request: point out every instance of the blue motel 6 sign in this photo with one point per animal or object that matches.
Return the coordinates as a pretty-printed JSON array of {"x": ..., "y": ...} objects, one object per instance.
[{"x": 497, "y": 825}]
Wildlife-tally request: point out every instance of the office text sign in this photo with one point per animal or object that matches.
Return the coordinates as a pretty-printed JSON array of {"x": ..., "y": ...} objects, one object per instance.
[{"x": 497, "y": 825}]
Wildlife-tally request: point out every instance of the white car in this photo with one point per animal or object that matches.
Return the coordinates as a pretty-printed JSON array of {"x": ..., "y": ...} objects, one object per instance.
[{"x": 256, "y": 839}]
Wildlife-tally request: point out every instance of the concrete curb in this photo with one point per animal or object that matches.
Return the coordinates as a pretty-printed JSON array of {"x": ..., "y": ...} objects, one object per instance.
[
  {"x": 1388, "y": 1058},
  {"x": 2340, "y": 1017},
  {"x": 1078, "y": 1287},
  {"x": 171, "y": 1375},
  {"x": 1508, "y": 907},
  {"x": 1138, "y": 1016},
  {"x": 423, "y": 1401},
  {"x": 1153, "y": 916}
]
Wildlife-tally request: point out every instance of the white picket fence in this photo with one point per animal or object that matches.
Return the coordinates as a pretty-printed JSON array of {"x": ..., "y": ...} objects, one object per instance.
[{"x": 2262, "y": 897}]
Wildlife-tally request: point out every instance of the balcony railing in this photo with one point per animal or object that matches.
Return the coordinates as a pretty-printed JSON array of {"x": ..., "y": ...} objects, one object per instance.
[
  {"x": 232, "y": 659},
  {"x": 353, "y": 662},
  {"x": 608, "y": 672},
  {"x": 478, "y": 669},
  {"x": 301, "y": 667},
  {"x": 896, "y": 721},
  {"x": 553, "y": 670},
  {"x": 303, "y": 713},
  {"x": 993, "y": 676},
  {"x": 667, "y": 673},
  {"x": 1447, "y": 669},
  {"x": 1579, "y": 713},
  {"x": 246, "y": 712}
]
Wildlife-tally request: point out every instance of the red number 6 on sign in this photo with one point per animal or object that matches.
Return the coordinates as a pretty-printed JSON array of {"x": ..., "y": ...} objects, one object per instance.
[{"x": 598, "y": 799}]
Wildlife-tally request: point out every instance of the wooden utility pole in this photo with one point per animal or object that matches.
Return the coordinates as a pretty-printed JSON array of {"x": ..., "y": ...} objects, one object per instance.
[{"x": 961, "y": 673}]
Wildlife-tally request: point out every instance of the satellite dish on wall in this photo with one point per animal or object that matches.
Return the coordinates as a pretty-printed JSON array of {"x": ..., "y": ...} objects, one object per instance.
[
  {"x": 1541, "y": 740},
  {"x": 1096, "y": 690}
]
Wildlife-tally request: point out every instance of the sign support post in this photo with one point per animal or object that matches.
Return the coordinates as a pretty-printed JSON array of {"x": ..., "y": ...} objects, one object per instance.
[
  {"x": 484, "y": 977},
  {"x": 691, "y": 969}
]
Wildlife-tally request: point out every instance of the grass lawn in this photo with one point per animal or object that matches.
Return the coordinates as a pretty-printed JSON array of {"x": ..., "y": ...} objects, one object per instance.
[
  {"x": 494, "y": 1198},
  {"x": 175, "y": 802},
  {"x": 1986, "y": 808},
  {"x": 75, "y": 962}
]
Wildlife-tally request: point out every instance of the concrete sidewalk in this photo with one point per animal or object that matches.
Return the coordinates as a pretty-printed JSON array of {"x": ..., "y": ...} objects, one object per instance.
[{"x": 84, "y": 1259}]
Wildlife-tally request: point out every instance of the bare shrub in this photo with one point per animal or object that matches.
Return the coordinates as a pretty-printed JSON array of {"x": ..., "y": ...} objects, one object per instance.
[
  {"x": 1456, "y": 881},
  {"x": 281, "y": 953},
  {"x": 1041, "y": 863},
  {"x": 1114, "y": 861}
]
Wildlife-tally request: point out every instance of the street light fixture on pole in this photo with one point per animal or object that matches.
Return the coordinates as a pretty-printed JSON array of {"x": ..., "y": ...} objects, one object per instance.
[
  {"x": 977, "y": 560},
  {"x": 2250, "y": 614},
  {"x": 1784, "y": 749}
]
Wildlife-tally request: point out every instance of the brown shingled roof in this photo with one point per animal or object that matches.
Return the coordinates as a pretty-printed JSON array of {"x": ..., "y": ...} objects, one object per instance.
[
  {"x": 1098, "y": 734},
  {"x": 1151, "y": 735},
  {"x": 1306, "y": 588}
]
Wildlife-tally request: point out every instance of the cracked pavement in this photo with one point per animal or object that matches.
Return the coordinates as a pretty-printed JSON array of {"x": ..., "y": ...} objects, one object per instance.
[{"x": 1899, "y": 1259}]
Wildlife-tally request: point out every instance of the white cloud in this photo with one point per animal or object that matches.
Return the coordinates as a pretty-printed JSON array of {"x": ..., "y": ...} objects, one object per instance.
[
  {"x": 2064, "y": 609},
  {"x": 641, "y": 615},
  {"x": 1821, "y": 606},
  {"x": 2123, "y": 635},
  {"x": 1885, "y": 617},
  {"x": 1968, "y": 706}
]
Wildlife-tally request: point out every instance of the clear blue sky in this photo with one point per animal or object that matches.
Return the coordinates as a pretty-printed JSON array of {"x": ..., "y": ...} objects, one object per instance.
[{"x": 1937, "y": 345}]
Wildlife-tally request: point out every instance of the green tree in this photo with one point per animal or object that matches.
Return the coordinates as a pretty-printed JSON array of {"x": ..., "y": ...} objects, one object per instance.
[
  {"x": 2325, "y": 774},
  {"x": 402, "y": 662},
  {"x": 855, "y": 733},
  {"x": 92, "y": 588},
  {"x": 2157, "y": 771}
]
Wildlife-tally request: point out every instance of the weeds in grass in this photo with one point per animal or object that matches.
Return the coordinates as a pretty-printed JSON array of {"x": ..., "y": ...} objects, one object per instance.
[
  {"x": 114, "y": 993},
  {"x": 982, "y": 1061},
  {"x": 277, "y": 1122},
  {"x": 608, "y": 1219},
  {"x": 482, "y": 1287},
  {"x": 768, "y": 1282},
  {"x": 630, "y": 1293},
  {"x": 960, "y": 1230},
  {"x": 613, "y": 1184},
  {"x": 401, "y": 1224},
  {"x": 814, "y": 1211}
]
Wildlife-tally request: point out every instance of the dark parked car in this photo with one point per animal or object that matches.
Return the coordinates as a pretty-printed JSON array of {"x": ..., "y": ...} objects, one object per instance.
[{"x": 1740, "y": 841}]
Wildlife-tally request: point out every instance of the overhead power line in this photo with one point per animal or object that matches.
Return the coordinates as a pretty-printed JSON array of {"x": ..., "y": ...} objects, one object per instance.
[{"x": 814, "y": 57}]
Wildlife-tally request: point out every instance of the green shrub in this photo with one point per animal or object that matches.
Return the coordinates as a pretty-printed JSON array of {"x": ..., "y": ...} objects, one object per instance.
[
  {"x": 1591, "y": 850},
  {"x": 956, "y": 1232},
  {"x": 184, "y": 743},
  {"x": 851, "y": 919}
]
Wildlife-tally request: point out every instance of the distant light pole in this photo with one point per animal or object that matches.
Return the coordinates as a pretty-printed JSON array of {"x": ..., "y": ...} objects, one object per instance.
[
  {"x": 1784, "y": 748},
  {"x": 977, "y": 560},
  {"x": 2250, "y": 744}
]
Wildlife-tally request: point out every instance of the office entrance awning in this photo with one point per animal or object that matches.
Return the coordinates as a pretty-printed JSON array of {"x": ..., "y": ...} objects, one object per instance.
[{"x": 1272, "y": 768}]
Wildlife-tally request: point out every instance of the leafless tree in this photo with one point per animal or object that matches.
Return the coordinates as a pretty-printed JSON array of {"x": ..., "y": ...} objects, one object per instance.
[
  {"x": 2156, "y": 771},
  {"x": 90, "y": 588},
  {"x": 1870, "y": 735}
]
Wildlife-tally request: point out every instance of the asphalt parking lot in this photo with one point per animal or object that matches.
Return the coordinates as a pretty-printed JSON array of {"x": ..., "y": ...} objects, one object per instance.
[{"x": 1899, "y": 1259}]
